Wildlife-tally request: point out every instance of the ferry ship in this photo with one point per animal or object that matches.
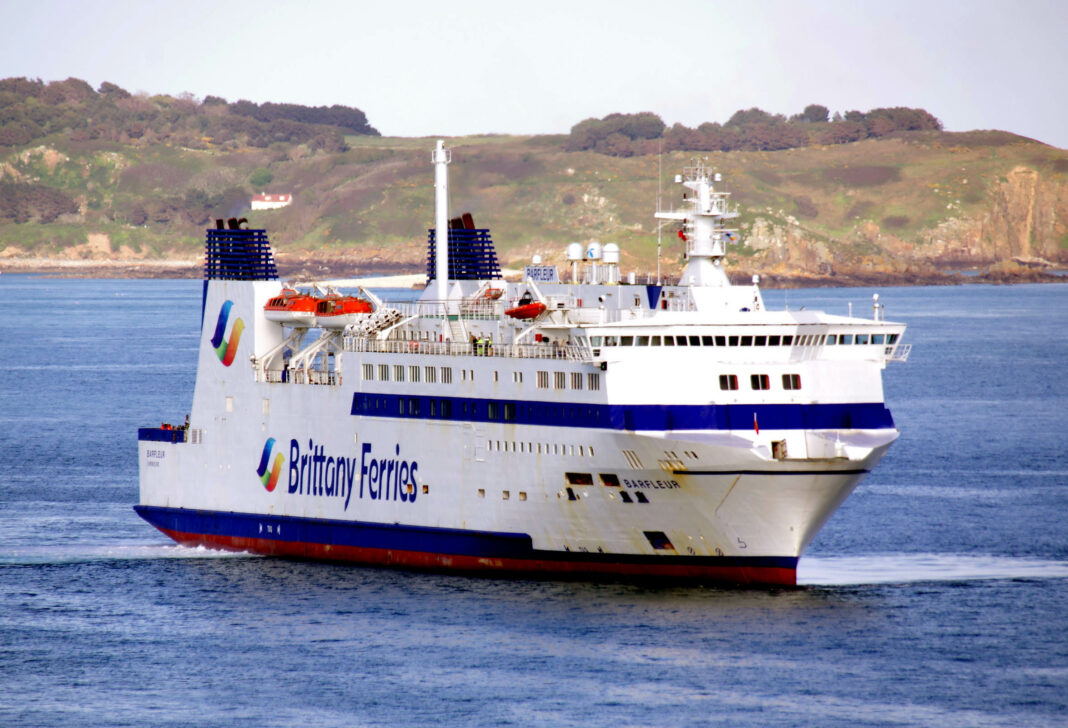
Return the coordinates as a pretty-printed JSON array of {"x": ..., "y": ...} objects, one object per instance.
[{"x": 592, "y": 428}]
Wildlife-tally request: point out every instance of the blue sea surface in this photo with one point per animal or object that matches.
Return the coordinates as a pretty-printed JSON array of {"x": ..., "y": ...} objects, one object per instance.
[{"x": 936, "y": 596}]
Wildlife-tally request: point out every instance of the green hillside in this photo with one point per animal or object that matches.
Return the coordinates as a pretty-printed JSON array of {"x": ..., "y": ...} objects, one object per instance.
[{"x": 907, "y": 201}]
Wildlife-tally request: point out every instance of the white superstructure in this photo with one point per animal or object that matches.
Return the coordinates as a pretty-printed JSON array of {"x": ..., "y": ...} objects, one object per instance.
[{"x": 584, "y": 428}]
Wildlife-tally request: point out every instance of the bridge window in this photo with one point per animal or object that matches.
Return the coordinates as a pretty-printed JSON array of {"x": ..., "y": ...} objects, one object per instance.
[
  {"x": 845, "y": 339},
  {"x": 861, "y": 339}
]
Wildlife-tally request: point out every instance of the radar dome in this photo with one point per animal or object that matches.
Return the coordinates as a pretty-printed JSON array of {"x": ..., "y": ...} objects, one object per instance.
[
  {"x": 574, "y": 251},
  {"x": 611, "y": 253},
  {"x": 594, "y": 251}
]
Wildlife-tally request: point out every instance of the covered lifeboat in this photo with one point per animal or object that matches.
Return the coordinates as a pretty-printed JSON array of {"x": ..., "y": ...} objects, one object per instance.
[
  {"x": 337, "y": 312},
  {"x": 292, "y": 308}
]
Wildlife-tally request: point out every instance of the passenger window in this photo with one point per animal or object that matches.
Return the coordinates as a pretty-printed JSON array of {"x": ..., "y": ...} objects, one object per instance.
[
  {"x": 747, "y": 341},
  {"x": 654, "y": 341},
  {"x": 721, "y": 341},
  {"x": 627, "y": 341},
  {"x": 706, "y": 341},
  {"x": 669, "y": 341},
  {"x": 773, "y": 340},
  {"x": 728, "y": 381},
  {"x": 760, "y": 341},
  {"x": 732, "y": 340},
  {"x": 643, "y": 341},
  {"x": 695, "y": 341},
  {"x": 681, "y": 341}
]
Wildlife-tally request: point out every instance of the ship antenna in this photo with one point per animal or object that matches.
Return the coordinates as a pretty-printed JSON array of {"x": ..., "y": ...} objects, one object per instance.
[
  {"x": 441, "y": 158},
  {"x": 659, "y": 193}
]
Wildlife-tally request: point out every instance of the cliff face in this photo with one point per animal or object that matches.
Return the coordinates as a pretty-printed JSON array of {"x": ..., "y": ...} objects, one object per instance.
[{"x": 1023, "y": 217}]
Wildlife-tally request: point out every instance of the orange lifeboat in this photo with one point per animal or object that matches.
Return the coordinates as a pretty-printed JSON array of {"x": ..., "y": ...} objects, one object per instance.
[
  {"x": 292, "y": 308},
  {"x": 527, "y": 310},
  {"x": 337, "y": 312}
]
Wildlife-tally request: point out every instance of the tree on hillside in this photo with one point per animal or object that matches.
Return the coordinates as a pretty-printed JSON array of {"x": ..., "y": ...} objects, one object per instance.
[{"x": 813, "y": 114}]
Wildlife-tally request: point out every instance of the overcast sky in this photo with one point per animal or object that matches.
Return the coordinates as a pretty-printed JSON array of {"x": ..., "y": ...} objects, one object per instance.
[{"x": 451, "y": 67}]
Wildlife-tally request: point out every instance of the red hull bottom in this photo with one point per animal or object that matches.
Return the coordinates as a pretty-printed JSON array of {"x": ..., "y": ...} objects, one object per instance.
[{"x": 495, "y": 566}]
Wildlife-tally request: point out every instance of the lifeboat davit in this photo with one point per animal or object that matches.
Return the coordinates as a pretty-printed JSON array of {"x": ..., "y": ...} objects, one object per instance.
[
  {"x": 337, "y": 312},
  {"x": 527, "y": 310},
  {"x": 291, "y": 307}
]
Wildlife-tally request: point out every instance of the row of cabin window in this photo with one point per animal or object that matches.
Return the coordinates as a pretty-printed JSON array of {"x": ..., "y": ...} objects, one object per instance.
[
  {"x": 385, "y": 406},
  {"x": 410, "y": 373},
  {"x": 428, "y": 374},
  {"x": 759, "y": 381},
  {"x": 592, "y": 380},
  {"x": 746, "y": 340},
  {"x": 540, "y": 448}
]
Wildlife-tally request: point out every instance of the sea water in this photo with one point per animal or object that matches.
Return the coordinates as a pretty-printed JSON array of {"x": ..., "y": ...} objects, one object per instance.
[{"x": 937, "y": 595}]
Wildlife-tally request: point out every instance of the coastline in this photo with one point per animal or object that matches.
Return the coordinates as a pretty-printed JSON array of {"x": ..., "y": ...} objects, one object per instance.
[{"x": 399, "y": 275}]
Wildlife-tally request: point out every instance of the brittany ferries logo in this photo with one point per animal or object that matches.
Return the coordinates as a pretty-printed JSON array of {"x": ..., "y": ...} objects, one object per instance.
[
  {"x": 226, "y": 349},
  {"x": 269, "y": 478}
]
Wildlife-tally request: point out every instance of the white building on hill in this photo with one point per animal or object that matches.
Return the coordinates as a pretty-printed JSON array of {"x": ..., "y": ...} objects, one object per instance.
[{"x": 264, "y": 201}]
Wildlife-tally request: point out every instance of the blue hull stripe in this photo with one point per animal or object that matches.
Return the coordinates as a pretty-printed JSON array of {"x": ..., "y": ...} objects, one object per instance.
[
  {"x": 856, "y": 415},
  {"x": 424, "y": 539}
]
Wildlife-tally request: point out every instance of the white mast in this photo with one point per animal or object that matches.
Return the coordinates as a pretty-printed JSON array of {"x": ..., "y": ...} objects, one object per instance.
[
  {"x": 441, "y": 158},
  {"x": 702, "y": 224}
]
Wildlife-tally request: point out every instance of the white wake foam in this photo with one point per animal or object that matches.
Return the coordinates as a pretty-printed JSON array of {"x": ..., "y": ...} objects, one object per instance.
[{"x": 909, "y": 568}]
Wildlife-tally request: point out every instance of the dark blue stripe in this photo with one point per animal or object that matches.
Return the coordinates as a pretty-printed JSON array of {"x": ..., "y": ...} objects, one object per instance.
[
  {"x": 158, "y": 434},
  {"x": 856, "y": 415},
  {"x": 423, "y": 539}
]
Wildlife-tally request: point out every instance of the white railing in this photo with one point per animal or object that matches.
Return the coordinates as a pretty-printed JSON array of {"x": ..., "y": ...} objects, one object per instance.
[
  {"x": 898, "y": 352},
  {"x": 298, "y": 376},
  {"x": 450, "y": 348}
]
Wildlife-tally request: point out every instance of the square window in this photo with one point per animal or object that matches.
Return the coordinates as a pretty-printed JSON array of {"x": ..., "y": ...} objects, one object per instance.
[
  {"x": 732, "y": 341},
  {"x": 773, "y": 340},
  {"x": 728, "y": 381},
  {"x": 707, "y": 341},
  {"x": 760, "y": 341},
  {"x": 669, "y": 341},
  {"x": 627, "y": 341},
  {"x": 787, "y": 340},
  {"x": 759, "y": 381}
]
